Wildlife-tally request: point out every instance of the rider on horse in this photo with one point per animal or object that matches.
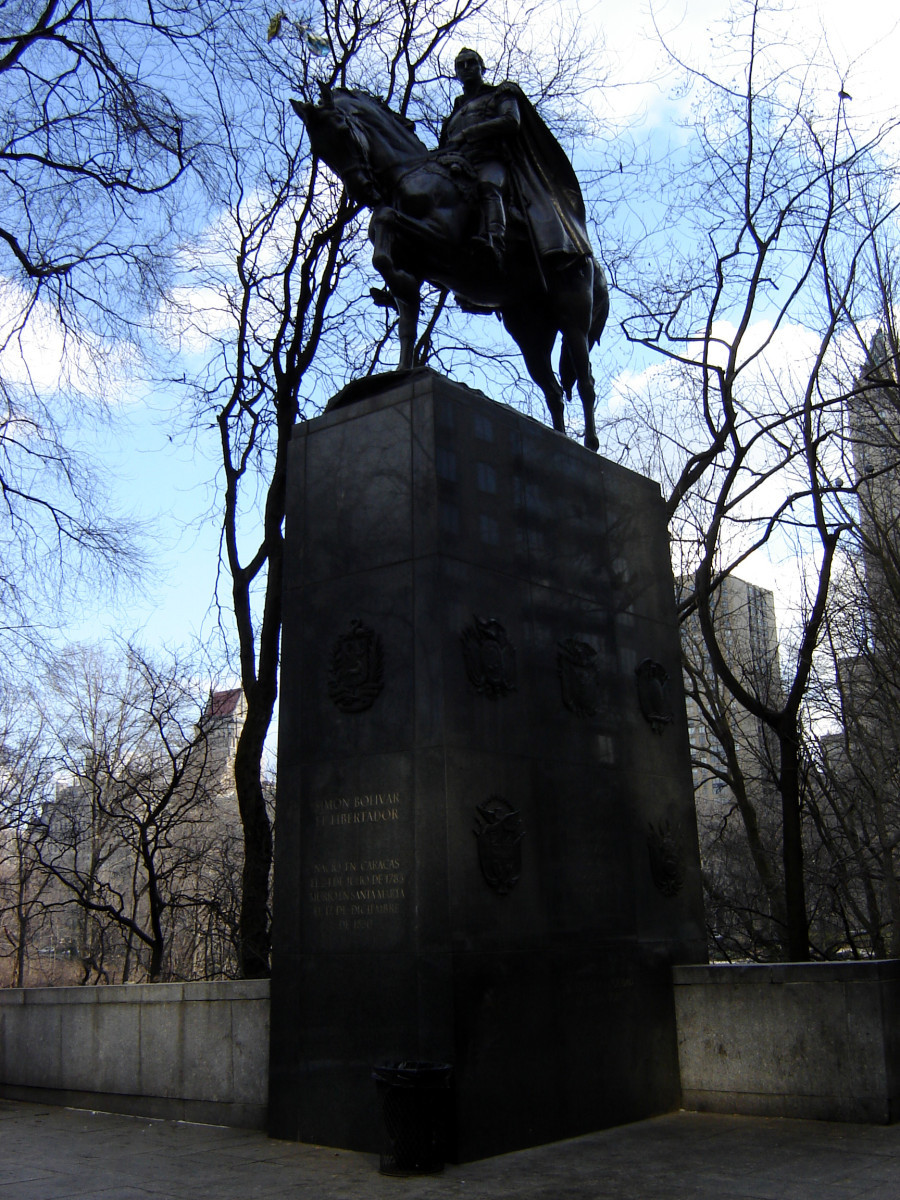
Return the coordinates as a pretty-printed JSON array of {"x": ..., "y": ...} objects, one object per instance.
[
  {"x": 423, "y": 218},
  {"x": 497, "y": 131}
]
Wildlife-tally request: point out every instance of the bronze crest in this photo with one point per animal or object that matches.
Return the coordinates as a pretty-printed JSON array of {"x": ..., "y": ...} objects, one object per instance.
[
  {"x": 666, "y": 857},
  {"x": 653, "y": 692},
  {"x": 499, "y": 832},
  {"x": 356, "y": 675},
  {"x": 490, "y": 657},
  {"x": 579, "y": 677}
]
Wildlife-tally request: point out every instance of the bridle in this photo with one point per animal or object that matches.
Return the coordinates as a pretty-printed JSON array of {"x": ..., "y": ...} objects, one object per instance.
[{"x": 387, "y": 178}]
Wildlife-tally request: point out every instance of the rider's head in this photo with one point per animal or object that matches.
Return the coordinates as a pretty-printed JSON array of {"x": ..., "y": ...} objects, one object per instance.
[{"x": 467, "y": 63}]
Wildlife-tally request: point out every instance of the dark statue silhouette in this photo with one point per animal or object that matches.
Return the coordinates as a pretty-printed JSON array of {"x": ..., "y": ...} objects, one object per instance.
[{"x": 495, "y": 215}]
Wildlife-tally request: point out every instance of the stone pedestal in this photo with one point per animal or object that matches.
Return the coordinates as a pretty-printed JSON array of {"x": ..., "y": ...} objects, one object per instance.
[{"x": 485, "y": 843}]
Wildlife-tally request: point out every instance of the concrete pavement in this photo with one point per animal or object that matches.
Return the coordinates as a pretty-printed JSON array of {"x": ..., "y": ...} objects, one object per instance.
[{"x": 56, "y": 1153}]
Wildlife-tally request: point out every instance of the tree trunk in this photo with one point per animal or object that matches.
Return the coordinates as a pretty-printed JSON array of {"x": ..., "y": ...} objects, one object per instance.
[
  {"x": 253, "y": 932},
  {"x": 792, "y": 848},
  {"x": 22, "y": 932},
  {"x": 889, "y": 875},
  {"x": 762, "y": 862},
  {"x": 260, "y": 683}
]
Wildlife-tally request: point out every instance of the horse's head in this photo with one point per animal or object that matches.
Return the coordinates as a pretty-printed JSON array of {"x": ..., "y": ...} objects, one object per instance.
[
  {"x": 340, "y": 140},
  {"x": 361, "y": 139}
]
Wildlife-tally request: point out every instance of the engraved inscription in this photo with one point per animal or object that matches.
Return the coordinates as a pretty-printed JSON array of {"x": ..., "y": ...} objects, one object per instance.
[
  {"x": 353, "y": 884},
  {"x": 356, "y": 676},
  {"x": 372, "y": 808},
  {"x": 356, "y": 893}
]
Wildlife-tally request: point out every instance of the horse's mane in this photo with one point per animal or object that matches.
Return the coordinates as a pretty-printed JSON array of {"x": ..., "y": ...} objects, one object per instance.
[
  {"x": 362, "y": 94},
  {"x": 377, "y": 105}
]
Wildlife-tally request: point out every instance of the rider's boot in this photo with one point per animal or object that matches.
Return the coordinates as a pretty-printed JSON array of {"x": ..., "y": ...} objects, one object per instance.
[{"x": 493, "y": 216}]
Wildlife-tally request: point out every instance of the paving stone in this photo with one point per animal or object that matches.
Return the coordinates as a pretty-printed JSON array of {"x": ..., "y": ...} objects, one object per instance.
[{"x": 64, "y": 1154}]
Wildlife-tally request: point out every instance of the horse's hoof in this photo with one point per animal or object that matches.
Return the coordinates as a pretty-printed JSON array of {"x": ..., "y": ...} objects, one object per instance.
[{"x": 592, "y": 442}]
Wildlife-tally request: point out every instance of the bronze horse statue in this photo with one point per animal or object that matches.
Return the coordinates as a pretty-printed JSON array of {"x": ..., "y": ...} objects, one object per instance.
[{"x": 425, "y": 214}]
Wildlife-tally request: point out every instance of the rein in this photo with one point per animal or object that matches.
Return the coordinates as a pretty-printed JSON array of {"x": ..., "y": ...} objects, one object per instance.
[
  {"x": 444, "y": 162},
  {"x": 386, "y": 178}
]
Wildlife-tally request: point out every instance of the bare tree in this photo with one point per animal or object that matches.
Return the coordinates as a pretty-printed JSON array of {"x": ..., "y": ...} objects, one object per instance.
[
  {"x": 854, "y": 806},
  {"x": 857, "y": 752},
  {"x": 133, "y": 839},
  {"x": 25, "y": 783},
  {"x": 773, "y": 213},
  {"x": 735, "y": 776},
  {"x": 100, "y": 177},
  {"x": 91, "y": 148},
  {"x": 61, "y": 539}
]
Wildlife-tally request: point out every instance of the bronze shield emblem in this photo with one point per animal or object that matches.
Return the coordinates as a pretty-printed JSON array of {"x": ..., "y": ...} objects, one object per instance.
[
  {"x": 653, "y": 693},
  {"x": 356, "y": 675},
  {"x": 579, "y": 677},
  {"x": 666, "y": 857},
  {"x": 499, "y": 832},
  {"x": 490, "y": 657}
]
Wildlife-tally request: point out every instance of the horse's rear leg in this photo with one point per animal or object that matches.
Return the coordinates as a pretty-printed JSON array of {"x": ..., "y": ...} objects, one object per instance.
[
  {"x": 574, "y": 298},
  {"x": 576, "y": 343},
  {"x": 535, "y": 341},
  {"x": 407, "y": 327},
  {"x": 540, "y": 369}
]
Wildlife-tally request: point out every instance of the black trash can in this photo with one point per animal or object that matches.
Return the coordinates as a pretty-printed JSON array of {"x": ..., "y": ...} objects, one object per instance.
[{"x": 415, "y": 1101}]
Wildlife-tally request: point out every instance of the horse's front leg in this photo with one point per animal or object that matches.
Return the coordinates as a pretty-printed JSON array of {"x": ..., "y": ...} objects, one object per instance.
[
  {"x": 407, "y": 327},
  {"x": 403, "y": 286}
]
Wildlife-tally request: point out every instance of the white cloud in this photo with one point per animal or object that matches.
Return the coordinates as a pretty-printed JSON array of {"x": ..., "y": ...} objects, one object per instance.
[
  {"x": 39, "y": 352},
  {"x": 630, "y": 383},
  {"x": 852, "y": 43},
  {"x": 205, "y": 304}
]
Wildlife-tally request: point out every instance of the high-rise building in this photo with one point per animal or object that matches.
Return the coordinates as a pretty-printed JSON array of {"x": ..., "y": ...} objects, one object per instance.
[
  {"x": 223, "y": 719},
  {"x": 725, "y": 738},
  {"x": 873, "y": 413},
  {"x": 866, "y": 625},
  {"x": 859, "y": 758},
  {"x": 734, "y": 760}
]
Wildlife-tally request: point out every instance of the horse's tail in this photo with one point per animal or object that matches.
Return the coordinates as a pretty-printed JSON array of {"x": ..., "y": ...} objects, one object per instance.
[{"x": 599, "y": 315}]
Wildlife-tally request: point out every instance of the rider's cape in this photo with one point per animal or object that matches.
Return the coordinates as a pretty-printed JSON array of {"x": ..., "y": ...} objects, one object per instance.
[
  {"x": 548, "y": 190},
  {"x": 542, "y": 184}
]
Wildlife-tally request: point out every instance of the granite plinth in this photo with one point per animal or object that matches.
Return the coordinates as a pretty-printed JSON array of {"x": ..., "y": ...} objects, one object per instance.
[{"x": 486, "y": 850}]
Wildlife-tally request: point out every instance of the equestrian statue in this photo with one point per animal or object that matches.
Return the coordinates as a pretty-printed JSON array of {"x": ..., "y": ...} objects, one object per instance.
[{"x": 494, "y": 214}]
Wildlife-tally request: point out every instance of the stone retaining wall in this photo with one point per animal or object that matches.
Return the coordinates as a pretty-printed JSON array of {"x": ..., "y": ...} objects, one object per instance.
[
  {"x": 819, "y": 1040},
  {"x": 183, "y": 1051}
]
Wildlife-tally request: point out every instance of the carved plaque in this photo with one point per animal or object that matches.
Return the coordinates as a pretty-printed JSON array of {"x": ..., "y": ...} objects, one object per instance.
[
  {"x": 499, "y": 832},
  {"x": 653, "y": 692},
  {"x": 666, "y": 857},
  {"x": 490, "y": 657},
  {"x": 579, "y": 677},
  {"x": 356, "y": 675}
]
